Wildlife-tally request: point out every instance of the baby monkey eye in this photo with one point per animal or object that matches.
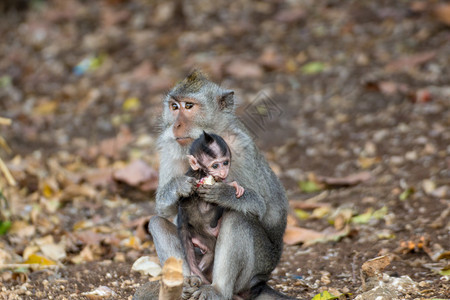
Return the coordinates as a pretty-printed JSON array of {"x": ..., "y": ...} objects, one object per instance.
[
  {"x": 174, "y": 106},
  {"x": 225, "y": 163},
  {"x": 215, "y": 166},
  {"x": 189, "y": 105}
]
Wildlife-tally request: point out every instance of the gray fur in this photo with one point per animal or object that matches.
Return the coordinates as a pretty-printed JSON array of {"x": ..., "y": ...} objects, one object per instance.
[{"x": 249, "y": 244}]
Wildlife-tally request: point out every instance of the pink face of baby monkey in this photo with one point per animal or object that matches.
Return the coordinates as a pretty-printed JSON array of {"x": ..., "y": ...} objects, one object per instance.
[{"x": 217, "y": 167}]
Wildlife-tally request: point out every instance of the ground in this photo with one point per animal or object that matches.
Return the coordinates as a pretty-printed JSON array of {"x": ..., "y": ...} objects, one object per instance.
[{"x": 328, "y": 89}]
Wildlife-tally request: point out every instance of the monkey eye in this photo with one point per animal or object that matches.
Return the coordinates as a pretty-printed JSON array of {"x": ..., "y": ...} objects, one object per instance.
[
  {"x": 225, "y": 163},
  {"x": 189, "y": 105},
  {"x": 174, "y": 106},
  {"x": 215, "y": 166}
]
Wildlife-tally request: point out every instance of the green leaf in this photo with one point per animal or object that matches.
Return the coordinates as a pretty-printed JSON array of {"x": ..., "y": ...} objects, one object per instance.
[
  {"x": 313, "y": 67},
  {"x": 363, "y": 218},
  {"x": 324, "y": 296},
  {"x": 5, "y": 81},
  {"x": 445, "y": 272},
  {"x": 406, "y": 193},
  {"x": 380, "y": 213},
  {"x": 309, "y": 186},
  {"x": 301, "y": 214},
  {"x": 4, "y": 227}
]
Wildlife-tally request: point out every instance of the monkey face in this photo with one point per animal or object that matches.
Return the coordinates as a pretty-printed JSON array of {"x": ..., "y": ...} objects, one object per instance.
[
  {"x": 218, "y": 168},
  {"x": 184, "y": 112}
]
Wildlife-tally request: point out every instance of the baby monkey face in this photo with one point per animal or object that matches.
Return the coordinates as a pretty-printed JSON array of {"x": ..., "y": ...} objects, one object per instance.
[{"x": 218, "y": 167}]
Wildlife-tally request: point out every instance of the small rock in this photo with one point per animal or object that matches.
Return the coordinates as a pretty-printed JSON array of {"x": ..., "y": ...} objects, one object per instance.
[{"x": 428, "y": 186}]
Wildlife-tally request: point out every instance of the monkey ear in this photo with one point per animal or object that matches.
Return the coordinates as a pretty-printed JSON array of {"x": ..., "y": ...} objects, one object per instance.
[
  {"x": 226, "y": 99},
  {"x": 193, "y": 162}
]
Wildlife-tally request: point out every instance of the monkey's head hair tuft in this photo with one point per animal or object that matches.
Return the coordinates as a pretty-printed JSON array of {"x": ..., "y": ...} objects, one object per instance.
[
  {"x": 202, "y": 146},
  {"x": 191, "y": 84}
]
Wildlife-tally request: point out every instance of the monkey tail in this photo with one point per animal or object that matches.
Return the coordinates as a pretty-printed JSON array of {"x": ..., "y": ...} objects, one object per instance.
[{"x": 262, "y": 291}]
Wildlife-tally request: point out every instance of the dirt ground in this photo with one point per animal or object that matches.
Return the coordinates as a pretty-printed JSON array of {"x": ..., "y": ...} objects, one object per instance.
[{"x": 339, "y": 87}]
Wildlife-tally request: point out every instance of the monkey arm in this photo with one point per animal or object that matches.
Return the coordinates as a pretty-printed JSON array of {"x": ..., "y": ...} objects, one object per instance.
[
  {"x": 225, "y": 195},
  {"x": 167, "y": 196}
]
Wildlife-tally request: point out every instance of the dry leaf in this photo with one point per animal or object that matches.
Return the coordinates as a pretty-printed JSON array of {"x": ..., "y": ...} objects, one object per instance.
[
  {"x": 375, "y": 266},
  {"x": 147, "y": 265},
  {"x": 54, "y": 251},
  {"x": 137, "y": 173},
  {"x": 442, "y": 13},
  {"x": 242, "y": 69},
  {"x": 40, "y": 260},
  {"x": 99, "y": 177},
  {"x": 113, "y": 146},
  {"x": 411, "y": 61},
  {"x": 295, "y": 235},
  {"x": 101, "y": 292},
  {"x": 22, "y": 229}
]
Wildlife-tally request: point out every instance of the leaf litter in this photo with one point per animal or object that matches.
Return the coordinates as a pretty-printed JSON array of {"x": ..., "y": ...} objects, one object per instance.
[{"x": 364, "y": 98}]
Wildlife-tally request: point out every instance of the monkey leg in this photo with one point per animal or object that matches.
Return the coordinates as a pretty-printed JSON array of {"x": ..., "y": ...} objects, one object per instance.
[
  {"x": 167, "y": 242},
  {"x": 243, "y": 258}
]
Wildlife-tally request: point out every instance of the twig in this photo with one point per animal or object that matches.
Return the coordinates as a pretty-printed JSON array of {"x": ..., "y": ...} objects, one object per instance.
[
  {"x": 4, "y": 145},
  {"x": 7, "y": 174}
]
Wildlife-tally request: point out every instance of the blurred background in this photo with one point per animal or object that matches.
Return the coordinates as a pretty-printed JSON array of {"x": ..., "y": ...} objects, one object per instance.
[{"x": 349, "y": 101}]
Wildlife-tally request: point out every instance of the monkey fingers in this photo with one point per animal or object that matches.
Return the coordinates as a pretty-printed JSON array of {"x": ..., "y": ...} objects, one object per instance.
[
  {"x": 185, "y": 186},
  {"x": 190, "y": 285},
  {"x": 207, "y": 292},
  {"x": 215, "y": 193}
]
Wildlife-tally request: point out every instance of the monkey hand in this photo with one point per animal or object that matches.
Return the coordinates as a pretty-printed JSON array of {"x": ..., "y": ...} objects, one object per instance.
[
  {"x": 216, "y": 193},
  {"x": 227, "y": 196},
  {"x": 207, "y": 292},
  {"x": 239, "y": 189},
  {"x": 185, "y": 185}
]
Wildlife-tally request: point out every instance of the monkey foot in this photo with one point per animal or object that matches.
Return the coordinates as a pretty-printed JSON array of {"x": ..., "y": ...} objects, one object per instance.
[
  {"x": 207, "y": 292},
  {"x": 191, "y": 284}
]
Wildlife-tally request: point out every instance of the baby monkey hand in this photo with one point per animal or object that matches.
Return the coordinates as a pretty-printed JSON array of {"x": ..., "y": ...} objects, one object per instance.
[{"x": 239, "y": 189}]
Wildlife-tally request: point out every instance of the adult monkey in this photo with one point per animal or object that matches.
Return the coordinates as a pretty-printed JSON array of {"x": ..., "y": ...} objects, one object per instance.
[{"x": 250, "y": 240}]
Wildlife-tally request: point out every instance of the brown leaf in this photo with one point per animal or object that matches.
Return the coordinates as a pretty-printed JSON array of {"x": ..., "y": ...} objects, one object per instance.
[
  {"x": 113, "y": 146},
  {"x": 141, "y": 227},
  {"x": 143, "y": 71},
  {"x": 409, "y": 62},
  {"x": 242, "y": 69},
  {"x": 442, "y": 13},
  {"x": 294, "y": 235},
  {"x": 302, "y": 204},
  {"x": 349, "y": 180},
  {"x": 88, "y": 237},
  {"x": 271, "y": 59},
  {"x": 160, "y": 82},
  {"x": 99, "y": 177},
  {"x": 376, "y": 265},
  {"x": 138, "y": 173}
]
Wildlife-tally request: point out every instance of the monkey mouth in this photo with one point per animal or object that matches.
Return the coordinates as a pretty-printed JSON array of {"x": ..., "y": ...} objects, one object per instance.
[{"x": 184, "y": 141}]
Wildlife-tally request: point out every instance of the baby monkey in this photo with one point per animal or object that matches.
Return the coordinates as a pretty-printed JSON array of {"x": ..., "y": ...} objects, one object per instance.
[{"x": 199, "y": 221}]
